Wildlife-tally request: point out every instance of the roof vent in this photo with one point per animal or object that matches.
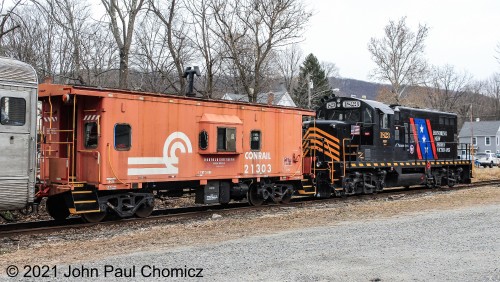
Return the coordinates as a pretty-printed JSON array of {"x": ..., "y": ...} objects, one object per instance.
[{"x": 353, "y": 96}]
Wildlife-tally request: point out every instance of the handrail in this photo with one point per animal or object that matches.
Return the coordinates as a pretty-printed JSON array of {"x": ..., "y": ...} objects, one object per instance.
[
  {"x": 73, "y": 161},
  {"x": 343, "y": 153}
]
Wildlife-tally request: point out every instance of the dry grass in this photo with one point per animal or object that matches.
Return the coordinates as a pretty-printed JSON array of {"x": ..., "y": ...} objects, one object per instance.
[{"x": 481, "y": 174}]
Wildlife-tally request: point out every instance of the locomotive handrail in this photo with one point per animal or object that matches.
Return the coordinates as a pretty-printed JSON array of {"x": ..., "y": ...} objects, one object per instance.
[{"x": 343, "y": 152}]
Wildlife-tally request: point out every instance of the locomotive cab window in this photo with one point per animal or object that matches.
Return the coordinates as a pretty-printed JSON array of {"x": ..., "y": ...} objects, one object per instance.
[
  {"x": 13, "y": 111},
  {"x": 368, "y": 115},
  {"x": 90, "y": 135},
  {"x": 255, "y": 140},
  {"x": 384, "y": 120},
  {"x": 226, "y": 139},
  {"x": 123, "y": 137}
]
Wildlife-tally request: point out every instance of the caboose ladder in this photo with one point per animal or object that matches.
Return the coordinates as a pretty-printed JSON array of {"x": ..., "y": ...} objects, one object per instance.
[{"x": 84, "y": 199}]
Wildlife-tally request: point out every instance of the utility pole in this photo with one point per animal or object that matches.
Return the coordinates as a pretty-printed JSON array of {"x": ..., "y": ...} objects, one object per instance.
[{"x": 309, "y": 89}]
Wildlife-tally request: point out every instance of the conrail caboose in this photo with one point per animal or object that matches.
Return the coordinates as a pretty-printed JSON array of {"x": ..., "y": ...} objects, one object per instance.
[
  {"x": 107, "y": 150},
  {"x": 361, "y": 146}
]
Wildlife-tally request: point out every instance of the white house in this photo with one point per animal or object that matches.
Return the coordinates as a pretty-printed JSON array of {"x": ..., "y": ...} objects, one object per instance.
[{"x": 274, "y": 98}]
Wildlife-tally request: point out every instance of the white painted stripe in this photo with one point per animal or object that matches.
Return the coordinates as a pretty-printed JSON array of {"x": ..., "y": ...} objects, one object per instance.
[
  {"x": 94, "y": 117},
  {"x": 147, "y": 171},
  {"x": 45, "y": 119},
  {"x": 145, "y": 161},
  {"x": 85, "y": 117}
]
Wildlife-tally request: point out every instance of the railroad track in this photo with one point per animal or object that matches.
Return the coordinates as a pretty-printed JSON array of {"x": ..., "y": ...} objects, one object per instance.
[{"x": 183, "y": 214}]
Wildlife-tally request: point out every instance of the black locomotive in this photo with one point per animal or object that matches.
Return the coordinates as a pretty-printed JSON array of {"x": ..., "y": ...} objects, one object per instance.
[{"x": 359, "y": 146}]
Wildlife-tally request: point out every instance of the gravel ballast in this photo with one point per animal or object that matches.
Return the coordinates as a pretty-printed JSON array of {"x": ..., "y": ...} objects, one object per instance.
[{"x": 449, "y": 245}]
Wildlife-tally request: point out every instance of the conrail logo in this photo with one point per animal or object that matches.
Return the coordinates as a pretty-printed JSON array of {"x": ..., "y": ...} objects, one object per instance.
[
  {"x": 257, "y": 155},
  {"x": 175, "y": 142}
]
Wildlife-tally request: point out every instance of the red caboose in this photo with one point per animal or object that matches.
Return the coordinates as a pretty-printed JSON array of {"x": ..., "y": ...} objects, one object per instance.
[{"x": 108, "y": 150}]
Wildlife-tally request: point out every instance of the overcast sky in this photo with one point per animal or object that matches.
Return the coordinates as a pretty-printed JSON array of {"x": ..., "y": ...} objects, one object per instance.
[{"x": 461, "y": 33}]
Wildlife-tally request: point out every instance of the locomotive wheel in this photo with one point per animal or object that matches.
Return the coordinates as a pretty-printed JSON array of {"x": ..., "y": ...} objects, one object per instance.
[
  {"x": 56, "y": 207},
  {"x": 93, "y": 217},
  {"x": 144, "y": 210},
  {"x": 253, "y": 197}
]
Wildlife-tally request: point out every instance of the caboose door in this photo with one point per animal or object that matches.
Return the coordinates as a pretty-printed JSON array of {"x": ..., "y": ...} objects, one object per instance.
[{"x": 88, "y": 155}]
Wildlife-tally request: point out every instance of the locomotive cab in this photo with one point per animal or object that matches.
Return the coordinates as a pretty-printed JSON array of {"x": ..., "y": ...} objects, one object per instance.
[{"x": 367, "y": 125}]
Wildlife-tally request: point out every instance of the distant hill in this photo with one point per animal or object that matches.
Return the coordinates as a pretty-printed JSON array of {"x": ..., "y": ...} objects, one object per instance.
[{"x": 348, "y": 87}]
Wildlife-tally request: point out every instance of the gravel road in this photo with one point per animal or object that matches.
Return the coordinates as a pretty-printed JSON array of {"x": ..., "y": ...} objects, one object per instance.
[{"x": 447, "y": 245}]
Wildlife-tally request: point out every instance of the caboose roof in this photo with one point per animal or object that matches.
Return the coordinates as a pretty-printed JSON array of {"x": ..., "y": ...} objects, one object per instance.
[
  {"x": 480, "y": 128},
  {"x": 48, "y": 89}
]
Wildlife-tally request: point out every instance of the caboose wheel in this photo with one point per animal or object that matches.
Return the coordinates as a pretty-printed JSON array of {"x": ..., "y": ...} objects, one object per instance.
[
  {"x": 253, "y": 196},
  {"x": 56, "y": 207},
  {"x": 93, "y": 217},
  {"x": 144, "y": 210},
  {"x": 286, "y": 198}
]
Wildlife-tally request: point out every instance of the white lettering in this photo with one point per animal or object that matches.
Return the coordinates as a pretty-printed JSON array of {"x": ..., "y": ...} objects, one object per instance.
[
  {"x": 439, "y": 133},
  {"x": 257, "y": 155}
]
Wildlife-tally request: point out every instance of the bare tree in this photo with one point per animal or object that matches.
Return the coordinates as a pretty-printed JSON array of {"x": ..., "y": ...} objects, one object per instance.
[
  {"x": 498, "y": 53},
  {"x": 72, "y": 16},
  {"x": 399, "y": 56},
  {"x": 251, "y": 29},
  {"x": 153, "y": 57},
  {"x": 7, "y": 23},
  {"x": 35, "y": 41},
  {"x": 122, "y": 15},
  {"x": 331, "y": 69},
  {"x": 175, "y": 37},
  {"x": 492, "y": 89},
  {"x": 446, "y": 87},
  {"x": 99, "y": 56},
  {"x": 288, "y": 64},
  {"x": 206, "y": 43}
]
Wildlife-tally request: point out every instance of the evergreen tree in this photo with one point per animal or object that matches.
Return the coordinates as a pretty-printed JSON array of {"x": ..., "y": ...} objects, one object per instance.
[{"x": 311, "y": 71}]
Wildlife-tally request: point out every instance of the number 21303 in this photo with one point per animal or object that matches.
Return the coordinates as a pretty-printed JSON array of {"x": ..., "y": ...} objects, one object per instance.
[{"x": 257, "y": 168}]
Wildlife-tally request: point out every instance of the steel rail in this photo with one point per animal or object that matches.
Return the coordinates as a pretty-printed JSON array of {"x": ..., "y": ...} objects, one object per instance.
[{"x": 186, "y": 213}]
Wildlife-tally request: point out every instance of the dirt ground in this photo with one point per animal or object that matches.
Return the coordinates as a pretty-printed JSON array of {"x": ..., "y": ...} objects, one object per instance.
[{"x": 88, "y": 244}]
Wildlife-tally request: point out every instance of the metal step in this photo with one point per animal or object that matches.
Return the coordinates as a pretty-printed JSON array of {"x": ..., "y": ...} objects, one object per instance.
[{"x": 85, "y": 200}]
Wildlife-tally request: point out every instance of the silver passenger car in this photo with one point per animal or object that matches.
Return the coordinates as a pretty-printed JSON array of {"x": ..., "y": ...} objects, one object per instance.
[{"x": 18, "y": 109}]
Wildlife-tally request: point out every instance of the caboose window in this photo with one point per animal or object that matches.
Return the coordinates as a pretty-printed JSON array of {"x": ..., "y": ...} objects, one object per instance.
[
  {"x": 123, "y": 137},
  {"x": 90, "y": 135},
  {"x": 13, "y": 111},
  {"x": 255, "y": 140},
  {"x": 226, "y": 139},
  {"x": 203, "y": 140}
]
